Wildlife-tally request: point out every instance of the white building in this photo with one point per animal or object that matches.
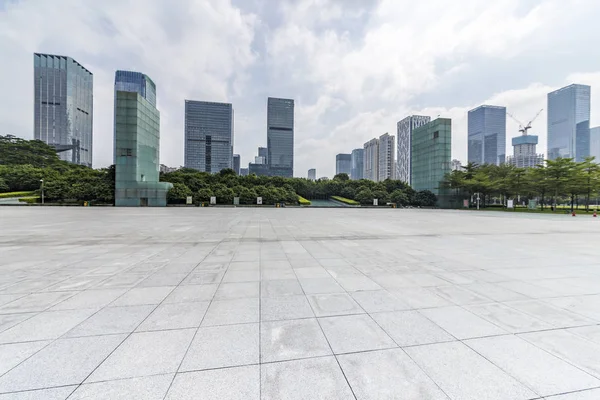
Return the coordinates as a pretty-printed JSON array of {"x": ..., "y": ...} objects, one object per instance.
[
  {"x": 456, "y": 165},
  {"x": 312, "y": 174},
  {"x": 404, "y": 153},
  {"x": 371, "y": 160},
  {"x": 387, "y": 153},
  {"x": 524, "y": 153}
]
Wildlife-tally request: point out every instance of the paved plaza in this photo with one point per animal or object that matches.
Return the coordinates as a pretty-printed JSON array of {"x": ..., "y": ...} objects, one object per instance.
[{"x": 246, "y": 303}]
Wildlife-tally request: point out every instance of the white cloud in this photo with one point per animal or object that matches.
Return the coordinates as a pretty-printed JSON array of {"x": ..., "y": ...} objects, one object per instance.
[{"x": 354, "y": 68}]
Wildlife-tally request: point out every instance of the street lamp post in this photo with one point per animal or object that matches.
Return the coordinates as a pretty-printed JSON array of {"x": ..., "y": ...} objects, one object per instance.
[{"x": 42, "y": 181}]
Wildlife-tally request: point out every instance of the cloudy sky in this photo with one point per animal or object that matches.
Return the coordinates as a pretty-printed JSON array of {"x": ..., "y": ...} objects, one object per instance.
[{"x": 354, "y": 67}]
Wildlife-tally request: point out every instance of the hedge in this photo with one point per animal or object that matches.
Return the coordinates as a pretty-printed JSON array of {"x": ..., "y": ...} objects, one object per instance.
[
  {"x": 303, "y": 201},
  {"x": 15, "y": 194},
  {"x": 29, "y": 200},
  {"x": 345, "y": 200}
]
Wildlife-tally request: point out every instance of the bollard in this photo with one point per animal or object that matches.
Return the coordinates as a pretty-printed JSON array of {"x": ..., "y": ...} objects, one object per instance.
[
  {"x": 595, "y": 215},
  {"x": 573, "y": 214}
]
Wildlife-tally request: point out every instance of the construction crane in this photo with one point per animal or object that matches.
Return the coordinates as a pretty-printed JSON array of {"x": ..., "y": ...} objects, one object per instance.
[{"x": 522, "y": 127}]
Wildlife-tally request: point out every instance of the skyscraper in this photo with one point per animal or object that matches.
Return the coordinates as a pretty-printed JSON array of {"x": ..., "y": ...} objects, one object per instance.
[
  {"x": 263, "y": 152},
  {"x": 431, "y": 146},
  {"x": 404, "y": 133},
  {"x": 236, "y": 163},
  {"x": 280, "y": 137},
  {"x": 208, "y": 135},
  {"x": 357, "y": 164},
  {"x": 595, "y": 144},
  {"x": 524, "y": 152},
  {"x": 135, "y": 82},
  {"x": 487, "y": 135},
  {"x": 569, "y": 122},
  {"x": 63, "y": 107},
  {"x": 312, "y": 174},
  {"x": 343, "y": 164},
  {"x": 137, "y": 141},
  {"x": 387, "y": 152},
  {"x": 371, "y": 160}
]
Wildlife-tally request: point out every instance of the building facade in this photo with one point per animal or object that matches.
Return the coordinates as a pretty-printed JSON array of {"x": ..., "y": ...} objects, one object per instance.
[
  {"x": 386, "y": 158},
  {"x": 63, "y": 107},
  {"x": 137, "y": 129},
  {"x": 259, "y": 169},
  {"x": 208, "y": 136},
  {"x": 487, "y": 135},
  {"x": 259, "y": 160},
  {"x": 524, "y": 152},
  {"x": 236, "y": 163},
  {"x": 431, "y": 146},
  {"x": 404, "y": 136},
  {"x": 595, "y": 143},
  {"x": 357, "y": 164},
  {"x": 312, "y": 174},
  {"x": 569, "y": 122},
  {"x": 456, "y": 165},
  {"x": 263, "y": 152},
  {"x": 371, "y": 160},
  {"x": 244, "y": 171},
  {"x": 343, "y": 164},
  {"x": 280, "y": 137}
]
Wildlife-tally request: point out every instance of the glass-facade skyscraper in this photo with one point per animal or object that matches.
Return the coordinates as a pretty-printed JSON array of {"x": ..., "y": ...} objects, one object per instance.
[
  {"x": 404, "y": 134},
  {"x": 280, "y": 137},
  {"x": 431, "y": 147},
  {"x": 343, "y": 164},
  {"x": 236, "y": 163},
  {"x": 208, "y": 136},
  {"x": 487, "y": 135},
  {"x": 595, "y": 144},
  {"x": 63, "y": 107},
  {"x": 387, "y": 152},
  {"x": 357, "y": 164},
  {"x": 569, "y": 122},
  {"x": 137, "y": 152},
  {"x": 312, "y": 174}
]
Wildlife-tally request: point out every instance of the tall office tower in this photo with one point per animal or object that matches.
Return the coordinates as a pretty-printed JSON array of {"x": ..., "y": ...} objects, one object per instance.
[
  {"x": 524, "y": 152},
  {"x": 404, "y": 133},
  {"x": 208, "y": 135},
  {"x": 487, "y": 135},
  {"x": 456, "y": 165},
  {"x": 569, "y": 122},
  {"x": 387, "y": 153},
  {"x": 371, "y": 160},
  {"x": 63, "y": 107},
  {"x": 236, "y": 163},
  {"x": 312, "y": 174},
  {"x": 244, "y": 171},
  {"x": 357, "y": 164},
  {"x": 343, "y": 164},
  {"x": 137, "y": 141},
  {"x": 263, "y": 152},
  {"x": 431, "y": 146},
  {"x": 136, "y": 82},
  {"x": 595, "y": 144},
  {"x": 259, "y": 160},
  {"x": 280, "y": 137}
]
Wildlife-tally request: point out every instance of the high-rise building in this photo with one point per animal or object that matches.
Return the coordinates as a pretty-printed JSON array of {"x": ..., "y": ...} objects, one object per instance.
[
  {"x": 136, "y": 82},
  {"x": 487, "y": 135},
  {"x": 386, "y": 159},
  {"x": 595, "y": 143},
  {"x": 259, "y": 160},
  {"x": 63, "y": 107},
  {"x": 244, "y": 171},
  {"x": 312, "y": 174},
  {"x": 569, "y": 122},
  {"x": 404, "y": 133},
  {"x": 208, "y": 135},
  {"x": 524, "y": 152},
  {"x": 236, "y": 163},
  {"x": 343, "y": 164},
  {"x": 431, "y": 146},
  {"x": 259, "y": 169},
  {"x": 137, "y": 134},
  {"x": 456, "y": 165},
  {"x": 371, "y": 160},
  {"x": 263, "y": 152},
  {"x": 280, "y": 137},
  {"x": 357, "y": 164}
]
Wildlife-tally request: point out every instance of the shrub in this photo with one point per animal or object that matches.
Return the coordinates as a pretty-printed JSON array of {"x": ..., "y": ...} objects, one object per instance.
[
  {"x": 15, "y": 194},
  {"x": 29, "y": 200},
  {"x": 178, "y": 193},
  {"x": 303, "y": 201},
  {"x": 364, "y": 196},
  {"x": 346, "y": 201}
]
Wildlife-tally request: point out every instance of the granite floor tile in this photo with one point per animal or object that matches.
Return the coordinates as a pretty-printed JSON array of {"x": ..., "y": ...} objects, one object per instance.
[
  {"x": 294, "y": 339},
  {"x": 228, "y": 312},
  {"x": 112, "y": 320},
  {"x": 325, "y": 305},
  {"x": 175, "y": 316},
  {"x": 146, "y": 388},
  {"x": 461, "y": 323},
  {"x": 286, "y": 307},
  {"x": 352, "y": 333},
  {"x": 410, "y": 328}
]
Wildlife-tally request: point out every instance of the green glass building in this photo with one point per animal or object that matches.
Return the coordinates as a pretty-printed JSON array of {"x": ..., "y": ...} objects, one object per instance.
[
  {"x": 137, "y": 141},
  {"x": 431, "y": 158}
]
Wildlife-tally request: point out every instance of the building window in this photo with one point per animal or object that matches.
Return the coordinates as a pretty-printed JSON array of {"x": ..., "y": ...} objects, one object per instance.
[{"x": 126, "y": 152}]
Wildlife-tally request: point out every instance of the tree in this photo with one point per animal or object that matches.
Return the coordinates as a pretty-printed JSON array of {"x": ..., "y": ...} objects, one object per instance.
[
  {"x": 341, "y": 177},
  {"x": 178, "y": 193},
  {"x": 559, "y": 172},
  {"x": 590, "y": 172},
  {"x": 224, "y": 195},
  {"x": 3, "y": 186},
  {"x": 364, "y": 196},
  {"x": 17, "y": 151},
  {"x": 426, "y": 198},
  {"x": 399, "y": 197},
  {"x": 382, "y": 197},
  {"x": 204, "y": 195}
]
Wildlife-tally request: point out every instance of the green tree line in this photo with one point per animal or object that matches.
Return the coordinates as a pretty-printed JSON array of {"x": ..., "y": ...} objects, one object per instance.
[{"x": 554, "y": 182}]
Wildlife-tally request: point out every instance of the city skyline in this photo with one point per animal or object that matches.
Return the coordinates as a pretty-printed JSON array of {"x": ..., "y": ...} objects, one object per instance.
[{"x": 340, "y": 102}]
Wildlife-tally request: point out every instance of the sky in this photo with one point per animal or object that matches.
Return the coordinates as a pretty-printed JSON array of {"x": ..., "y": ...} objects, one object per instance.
[{"x": 353, "y": 67}]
